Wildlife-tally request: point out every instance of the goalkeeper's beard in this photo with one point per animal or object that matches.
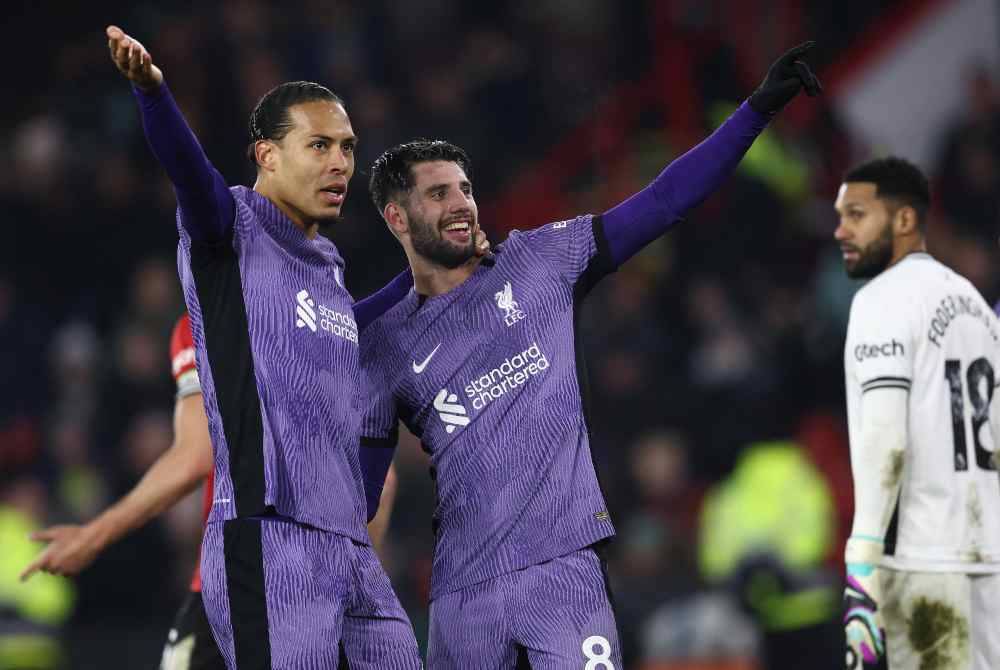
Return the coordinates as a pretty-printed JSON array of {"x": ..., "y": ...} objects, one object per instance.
[{"x": 874, "y": 258}]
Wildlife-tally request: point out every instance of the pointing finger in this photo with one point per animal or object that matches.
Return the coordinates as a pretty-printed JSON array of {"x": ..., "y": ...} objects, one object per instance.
[
  {"x": 801, "y": 49},
  {"x": 809, "y": 81}
]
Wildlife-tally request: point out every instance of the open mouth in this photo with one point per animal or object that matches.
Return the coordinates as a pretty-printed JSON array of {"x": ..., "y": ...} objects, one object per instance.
[
  {"x": 459, "y": 231},
  {"x": 334, "y": 195}
]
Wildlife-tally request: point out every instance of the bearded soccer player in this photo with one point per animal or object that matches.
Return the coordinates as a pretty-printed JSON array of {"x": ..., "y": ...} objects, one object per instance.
[
  {"x": 921, "y": 362},
  {"x": 185, "y": 465},
  {"x": 288, "y": 573},
  {"x": 482, "y": 362}
]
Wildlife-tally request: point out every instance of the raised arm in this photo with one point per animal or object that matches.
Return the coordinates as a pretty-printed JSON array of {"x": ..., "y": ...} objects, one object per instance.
[
  {"x": 687, "y": 181},
  {"x": 206, "y": 206},
  {"x": 72, "y": 548}
]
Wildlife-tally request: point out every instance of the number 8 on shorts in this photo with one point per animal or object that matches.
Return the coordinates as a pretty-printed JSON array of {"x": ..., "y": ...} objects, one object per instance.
[{"x": 597, "y": 649}]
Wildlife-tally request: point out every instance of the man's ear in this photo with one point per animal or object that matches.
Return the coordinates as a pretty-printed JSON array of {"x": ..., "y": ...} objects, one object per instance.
[
  {"x": 395, "y": 217},
  {"x": 905, "y": 221},
  {"x": 266, "y": 154}
]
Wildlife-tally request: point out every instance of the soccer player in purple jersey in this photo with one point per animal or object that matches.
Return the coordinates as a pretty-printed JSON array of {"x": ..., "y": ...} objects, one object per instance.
[
  {"x": 289, "y": 577},
  {"x": 482, "y": 362}
]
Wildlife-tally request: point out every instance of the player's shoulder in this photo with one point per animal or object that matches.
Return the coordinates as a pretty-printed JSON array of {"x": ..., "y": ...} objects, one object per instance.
[
  {"x": 906, "y": 282},
  {"x": 552, "y": 229}
]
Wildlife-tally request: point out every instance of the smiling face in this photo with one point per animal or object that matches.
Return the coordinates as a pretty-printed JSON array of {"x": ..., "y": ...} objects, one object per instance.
[
  {"x": 309, "y": 168},
  {"x": 441, "y": 213},
  {"x": 865, "y": 230}
]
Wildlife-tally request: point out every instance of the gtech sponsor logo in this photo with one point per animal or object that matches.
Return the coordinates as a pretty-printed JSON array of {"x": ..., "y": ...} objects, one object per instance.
[
  {"x": 450, "y": 410},
  {"x": 312, "y": 316},
  {"x": 883, "y": 350},
  {"x": 510, "y": 374}
]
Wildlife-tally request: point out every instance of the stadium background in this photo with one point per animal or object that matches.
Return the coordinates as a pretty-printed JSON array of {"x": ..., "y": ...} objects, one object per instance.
[{"x": 726, "y": 333}]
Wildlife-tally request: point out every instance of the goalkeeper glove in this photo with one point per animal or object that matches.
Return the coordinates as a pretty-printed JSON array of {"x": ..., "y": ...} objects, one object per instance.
[{"x": 862, "y": 621}]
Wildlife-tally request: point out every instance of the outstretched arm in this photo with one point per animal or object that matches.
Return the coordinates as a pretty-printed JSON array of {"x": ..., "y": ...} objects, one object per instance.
[
  {"x": 207, "y": 208},
  {"x": 175, "y": 473},
  {"x": 688, "y": 180}
]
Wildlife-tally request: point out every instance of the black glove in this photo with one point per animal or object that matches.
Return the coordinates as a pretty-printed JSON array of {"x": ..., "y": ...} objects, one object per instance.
[{"x": 783, "y": 81}]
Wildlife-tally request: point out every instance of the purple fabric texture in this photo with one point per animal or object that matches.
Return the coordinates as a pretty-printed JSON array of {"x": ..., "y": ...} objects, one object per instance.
[
  {"x": 487, "y": 377},
  {"x": 558, "y": 613},
  {"x": 277, "y": 352},
  {"x": 322, "y": 590}
]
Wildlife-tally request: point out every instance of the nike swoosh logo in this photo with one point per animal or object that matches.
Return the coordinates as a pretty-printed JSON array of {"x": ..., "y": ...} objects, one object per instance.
[{"x": 420, "y": 368}]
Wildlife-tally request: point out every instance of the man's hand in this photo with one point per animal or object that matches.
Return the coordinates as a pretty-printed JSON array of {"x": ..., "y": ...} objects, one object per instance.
[
  {"x": 132, "y": 60},
  {"x": 787, "y": 76},
  {"x": 863, "y": 627},
  {"x": 71, "y": 549},
  {"x": 482, "y": 244}
]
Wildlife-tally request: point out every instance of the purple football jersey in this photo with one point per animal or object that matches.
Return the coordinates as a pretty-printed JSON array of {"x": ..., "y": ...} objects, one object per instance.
[
  {"x": 489, "y": 376},
  {"x": 277, "y": 353}
]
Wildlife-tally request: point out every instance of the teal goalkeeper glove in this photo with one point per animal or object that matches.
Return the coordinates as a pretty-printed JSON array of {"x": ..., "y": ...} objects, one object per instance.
[
  {"x": 862, "y": 620},
  {"x": 863, "y": 628}
]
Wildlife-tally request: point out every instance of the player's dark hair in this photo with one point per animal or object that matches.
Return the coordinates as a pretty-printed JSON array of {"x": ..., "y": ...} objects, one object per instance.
[
  {"x": 392, "y": 172},
  {"x": 270, "y": 119},
  {"x": 898, "y": 180}
]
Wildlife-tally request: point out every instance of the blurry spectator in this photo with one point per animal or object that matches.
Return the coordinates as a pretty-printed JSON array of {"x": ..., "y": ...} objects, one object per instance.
[
  {"x": 766, "y": 531},
  {"x": 969, "y": 168},
  {"x": 31, "y": 613}
]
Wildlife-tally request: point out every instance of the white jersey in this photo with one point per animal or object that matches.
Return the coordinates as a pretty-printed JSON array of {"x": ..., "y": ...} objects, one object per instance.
[{"x": 920, "y": 326}]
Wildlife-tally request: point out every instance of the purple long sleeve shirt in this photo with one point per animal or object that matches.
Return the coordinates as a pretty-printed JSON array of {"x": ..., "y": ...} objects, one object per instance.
[
  {"x": 276, "y": 342},
  {"x": 490, "y": 377}
]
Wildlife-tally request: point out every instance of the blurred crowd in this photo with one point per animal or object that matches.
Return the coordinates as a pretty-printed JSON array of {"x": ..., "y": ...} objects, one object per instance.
[{"x": 717, "y": 349}]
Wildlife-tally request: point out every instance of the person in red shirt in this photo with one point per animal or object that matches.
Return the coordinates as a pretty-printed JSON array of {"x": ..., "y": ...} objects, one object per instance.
[{"x": 177, "y": 472}]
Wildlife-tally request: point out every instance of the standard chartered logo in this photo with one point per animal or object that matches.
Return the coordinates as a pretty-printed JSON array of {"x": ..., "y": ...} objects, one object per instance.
[
  {"x": 450, "y": 410},
  {"x": 484, "y": 389},
  {"x": 507, "y": 376},
  {"x": 312, "y": 316},
  {"x": 304, "y": 311}
]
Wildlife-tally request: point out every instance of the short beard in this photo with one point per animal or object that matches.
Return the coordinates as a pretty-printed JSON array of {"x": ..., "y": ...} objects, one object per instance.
[
  {"x": 873, "y": 259},
  {"x": 435, "y": 248}
]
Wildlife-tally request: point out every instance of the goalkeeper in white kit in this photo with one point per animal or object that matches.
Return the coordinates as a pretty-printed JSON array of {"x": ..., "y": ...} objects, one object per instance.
[{"x": 921, "y": 363}]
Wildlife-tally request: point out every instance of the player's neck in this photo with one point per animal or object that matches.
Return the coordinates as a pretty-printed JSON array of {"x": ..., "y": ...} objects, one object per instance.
[
  {"x": 310, "y": 228},
  {"x": 904, "y": 246},
  {"x": 430, "y": 279}
]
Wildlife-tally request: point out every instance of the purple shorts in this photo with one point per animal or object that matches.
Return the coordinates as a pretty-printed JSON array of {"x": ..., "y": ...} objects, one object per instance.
[
  {"x": 557, "y": 614},
  {"x": 282, "y": 595}
]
